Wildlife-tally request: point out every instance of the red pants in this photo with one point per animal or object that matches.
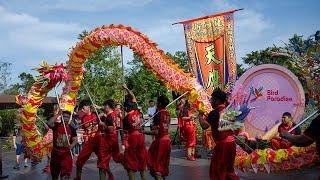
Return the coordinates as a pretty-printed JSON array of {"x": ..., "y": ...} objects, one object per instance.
[
  {"x": 94, "y": 144},
  {"x": 277, "y": 143},
  {"x": 135, "y": 154},
  {"x": 61, "y": 163},
  {"x": 222, "y": 161},
  {"x": 190, "y": 134},
  {"x": 159, "y": 156},
  {"x": 110, "y": 147},
  {"x": 125, "y": 140}
]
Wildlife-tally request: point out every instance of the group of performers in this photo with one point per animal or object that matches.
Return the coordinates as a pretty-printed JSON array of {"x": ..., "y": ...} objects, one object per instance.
[{"x": 101, "y": 137}]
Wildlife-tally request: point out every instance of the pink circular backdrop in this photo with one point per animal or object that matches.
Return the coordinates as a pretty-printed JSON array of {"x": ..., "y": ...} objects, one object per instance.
[{"x": 276, "y": 90}]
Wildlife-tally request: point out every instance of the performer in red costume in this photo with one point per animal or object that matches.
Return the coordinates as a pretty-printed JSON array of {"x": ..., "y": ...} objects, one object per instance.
[
  {"x": 159, "y": 151},
  {"x": 61, "y": 159},
  {"x": 224, "y": 153},
  {"x": 309, "y": 136},
  {"x": 189, "y": 130},
  {"x": 135, "y": 154},
  {"x": 179, "y": 112},
  {"x": 286, "y": 125},
  {"x": 92, "y": 138},
  {"x": 110, "y": 147}
]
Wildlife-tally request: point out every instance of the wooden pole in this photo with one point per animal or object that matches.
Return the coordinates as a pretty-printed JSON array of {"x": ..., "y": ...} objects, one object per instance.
[
  {"x": 62, "y": 119},
  {"x": 123, "y": 79},
  {"x": 166, "y": 107},
  {"x": 306, "y": 119},
  {"x": 205, "y": 17}
]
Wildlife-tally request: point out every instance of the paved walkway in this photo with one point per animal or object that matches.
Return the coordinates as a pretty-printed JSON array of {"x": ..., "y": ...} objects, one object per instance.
[{"x": 180, "y": 168}]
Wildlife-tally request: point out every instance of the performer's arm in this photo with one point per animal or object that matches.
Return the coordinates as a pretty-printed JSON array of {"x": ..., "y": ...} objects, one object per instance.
[
  {"x": 205, "y": 121},
  {"x": 308, "y": 136},
  {"x": 97, "y": 107},
  {"x": 46, "y": 126},
  {"x": 130, "y": 93},
  {"x": 74, "y": 138},
  {"x": 14, "y": 141},
  {"x": 152, "y": 132},
  {"x": 52, "y": 120},
  {"x": 204, "y": 124},
  {"x": 74, "y": 142},
  {"x": 177, "y": 112},
  {"x": 297, "y": 140},
  {"x": 186, "y": 118},
  {"x": 102, "y": 116},
  {"x": 189, "y": 118}
]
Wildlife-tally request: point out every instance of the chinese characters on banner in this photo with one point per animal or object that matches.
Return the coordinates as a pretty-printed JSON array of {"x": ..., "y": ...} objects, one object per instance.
[{"x": 210, "y": 45}]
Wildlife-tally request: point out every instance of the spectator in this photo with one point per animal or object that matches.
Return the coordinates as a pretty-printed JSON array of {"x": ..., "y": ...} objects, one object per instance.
[
  {"x": 151, "y": 108},
  {"x": 17, "y": 143}
]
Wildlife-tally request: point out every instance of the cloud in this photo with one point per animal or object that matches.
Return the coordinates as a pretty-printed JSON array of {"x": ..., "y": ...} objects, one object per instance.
[
  {"x": 96, "y": 5},
  {"x": 29, "y": 32},
  {"x": 249, "y": 23},
  {"x": 169, "y": 38},
  {"x": 250, "y": 27}
]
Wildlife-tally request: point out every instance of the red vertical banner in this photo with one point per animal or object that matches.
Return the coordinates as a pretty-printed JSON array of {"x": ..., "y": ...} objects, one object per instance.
[
  {"x": 230, "y": 49},
  {"x": 210, "y": 45}
]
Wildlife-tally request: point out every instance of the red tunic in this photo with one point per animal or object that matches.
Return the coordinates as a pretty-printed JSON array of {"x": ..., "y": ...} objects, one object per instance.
[
  {"x": 159, "y": 151},
  {"x": 181, "y": 124},
  {"x": 135, "y": 154},
  {"x": 190, "y": 131},
  {"x": 110, "y": 147},
  {"x": 92, "y": 140},
  {"x": 224, "y": 153},
  {"x": 61, "y": 160}
]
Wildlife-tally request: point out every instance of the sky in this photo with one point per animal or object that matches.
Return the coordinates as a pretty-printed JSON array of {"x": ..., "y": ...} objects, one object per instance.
[{"x": 35, "y": 30}]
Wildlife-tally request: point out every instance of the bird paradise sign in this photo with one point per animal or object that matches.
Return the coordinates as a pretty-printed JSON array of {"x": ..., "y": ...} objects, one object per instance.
[{"x": 272, "y": 91}]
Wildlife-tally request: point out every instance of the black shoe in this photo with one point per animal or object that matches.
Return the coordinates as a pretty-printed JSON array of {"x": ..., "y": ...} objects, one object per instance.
[
  {"x": 33, "y": 164},
  {"x": 16, "y": 166}
]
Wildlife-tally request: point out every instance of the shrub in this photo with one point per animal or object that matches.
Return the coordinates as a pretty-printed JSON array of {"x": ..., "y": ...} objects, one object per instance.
[{"x": 8, "y": 120}]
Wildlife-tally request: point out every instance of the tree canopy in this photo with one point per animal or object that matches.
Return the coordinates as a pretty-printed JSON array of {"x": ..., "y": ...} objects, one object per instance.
[
  {"x": 103, "y": 76},
  {"x": 4, "y": 75},
  {"x": 23, "y": 87}
]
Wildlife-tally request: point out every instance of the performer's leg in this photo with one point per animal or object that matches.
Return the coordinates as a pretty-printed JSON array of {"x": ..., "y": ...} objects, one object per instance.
[
  {"x": 66, "y": 166},
  {"x": 18, "y": 154},
  {"x": 102, "y": 174},
  {"x": 131, "y": 175},
  {"x": 158, "y": 176},
  {"x": 110, "y": 175},
  {"x": 142, "y": 175},
  {"x": 17, "y": 160},
  {"x": 25, "y": 162},
  {"x": 56, "y": 165},
  {"x": 47, "y": 167},
  {"x": 82, "y": 158},
  {"x": 104, "y": 156}
]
